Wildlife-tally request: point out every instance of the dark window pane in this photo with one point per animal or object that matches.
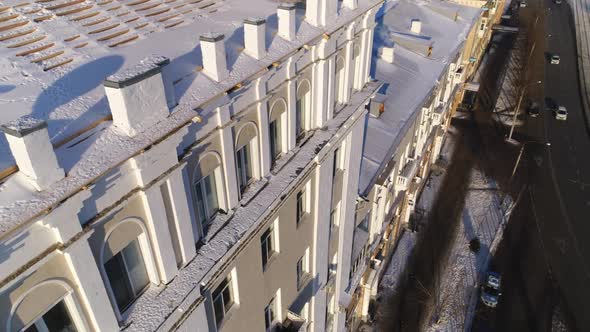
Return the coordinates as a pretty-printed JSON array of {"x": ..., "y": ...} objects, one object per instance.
[
  {"x": 219, "y": 312},
  {"x": 135, "y": 267},
  {"x": 211, "y": 194},
  {"x": 227, "y": 298},
  {"x": 200, "y": 203},
  {"x": 57, "y": 319},
  {"x": 119, "y": 281}
]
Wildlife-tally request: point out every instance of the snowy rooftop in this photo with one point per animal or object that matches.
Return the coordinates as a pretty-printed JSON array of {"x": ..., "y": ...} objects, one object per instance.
[
  {"x": 409, "y": 81},
  {"x": 71, "y": 98}
]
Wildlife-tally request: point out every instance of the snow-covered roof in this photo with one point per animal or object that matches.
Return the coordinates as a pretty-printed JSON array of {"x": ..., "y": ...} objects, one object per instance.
[
  {"x": 411, "y": 78},
  {"x": 71, "y": 97},
  {"x": 93, "y": 40}
]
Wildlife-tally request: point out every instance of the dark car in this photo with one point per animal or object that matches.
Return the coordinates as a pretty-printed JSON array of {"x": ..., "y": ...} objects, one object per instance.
[{"x": 550, "y": 104}]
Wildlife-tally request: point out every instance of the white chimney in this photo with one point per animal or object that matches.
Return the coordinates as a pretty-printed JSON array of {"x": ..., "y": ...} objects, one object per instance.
[
  {"x": 318, "y": 12},
  {"x": 214, "y": 59},
  {"x": 286, "y": 14},
  {"x": 388, "y": 54},
  {"x": 350, "y": 4},
  {"x": 416, "y": 26},
  {"x": 30, "y": 145},
  {"x": 137, "y": 96},
  {"x": 255, "y": 37}
]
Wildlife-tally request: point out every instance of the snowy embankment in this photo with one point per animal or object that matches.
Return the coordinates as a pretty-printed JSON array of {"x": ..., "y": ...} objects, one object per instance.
[
  {"x": 483, "y": 217},
  {"x": 580, "y": 11}
]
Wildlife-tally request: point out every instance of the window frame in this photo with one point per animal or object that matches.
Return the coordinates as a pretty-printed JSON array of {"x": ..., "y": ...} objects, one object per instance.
[
  {"x": 225, "y": 285},
  {"x": 275, "y": 140},
  {"x": 268, "y": 252},
  {"x": 128, "y": 282},
  {"x": 270, "y": 315},
  {"x": 199, "y": 188},
  {"x": 245, "y": 173},
  {"x": 70, "y": 309}
]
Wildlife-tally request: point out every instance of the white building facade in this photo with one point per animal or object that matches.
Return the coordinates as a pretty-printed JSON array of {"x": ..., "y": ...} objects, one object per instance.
[{"x": 234, "y": 213}]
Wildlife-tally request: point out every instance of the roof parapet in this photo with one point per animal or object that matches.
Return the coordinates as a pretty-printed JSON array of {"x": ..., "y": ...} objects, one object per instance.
[
  {"x": 137, "y": 96},
  {"x": 214, "y": 58},
  {"x": 31, "y": 147}
]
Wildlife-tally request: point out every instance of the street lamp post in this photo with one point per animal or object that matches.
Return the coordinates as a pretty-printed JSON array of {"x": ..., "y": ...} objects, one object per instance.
[
  {"x": 517, "y": 110},
  {"x": 520, "y": 156}
]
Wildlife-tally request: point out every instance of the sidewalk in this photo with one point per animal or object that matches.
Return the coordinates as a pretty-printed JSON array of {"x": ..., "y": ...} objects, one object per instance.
[{"x": 580, "y": 12}]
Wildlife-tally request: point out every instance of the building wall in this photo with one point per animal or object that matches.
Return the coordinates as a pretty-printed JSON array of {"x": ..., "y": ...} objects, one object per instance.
[{"x": 151, "y": 198}]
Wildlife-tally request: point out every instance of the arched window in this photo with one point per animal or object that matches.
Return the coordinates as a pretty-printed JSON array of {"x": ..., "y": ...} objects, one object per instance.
[
  {"x": 340, "y": 84},
  {"x": 246, "y": 155},
  {"x": 303, "y": 108},
  {"x": 277, "y": 128},
  {"x": 124, "y": 264},
  {"x": 208, "y": 188},
  {"x": 48, "y": 306}
]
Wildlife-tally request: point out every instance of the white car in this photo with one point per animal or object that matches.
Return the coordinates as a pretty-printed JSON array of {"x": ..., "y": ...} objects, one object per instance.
[
  {"x": 555, "y": 59},
  {"x": 561, "y": 113},
  {"x": 490, "y": 291},
  {"x": 523, "y": 4}
]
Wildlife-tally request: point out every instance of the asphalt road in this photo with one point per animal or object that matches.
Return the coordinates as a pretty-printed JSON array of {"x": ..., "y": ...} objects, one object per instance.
[{"x": 546, "y": 246}]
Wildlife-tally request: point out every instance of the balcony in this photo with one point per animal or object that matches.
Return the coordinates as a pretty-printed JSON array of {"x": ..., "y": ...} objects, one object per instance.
[{"x": 406, "y": 175}]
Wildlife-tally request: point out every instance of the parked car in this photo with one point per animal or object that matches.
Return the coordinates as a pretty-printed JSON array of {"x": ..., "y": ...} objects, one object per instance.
[
  {"x": 561, "y": 113},
  {"x": 555, "y": 59},
  {"x": 522, "y": 4},
  {"x": 533, "y": 110},
  {"x": 558, "y": 2},
  {"x": 490, "y": 291}
]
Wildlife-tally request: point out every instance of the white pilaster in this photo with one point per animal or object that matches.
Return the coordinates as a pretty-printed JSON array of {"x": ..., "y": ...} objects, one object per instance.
[
  {"x": 229, "y": 158},
  {"x": 350, "y": 4},
  {"x": 159, "y": 233},
  {"x": 264, "y": 141},
  {"x": 291, "y": 113},
  {"x": 93, "y": 295},
  {"x": 320, "y": 261},
  {"x": 347, "y": 222},
  {"x": 179, "y": 202}
]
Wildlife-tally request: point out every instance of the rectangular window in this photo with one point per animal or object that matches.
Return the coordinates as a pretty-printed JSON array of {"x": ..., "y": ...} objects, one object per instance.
[
  {"x": 269, "y": 315},
  {"x": 207, "y": 203},
  {"x": 57, "y": 319},
  {"x": 267, "y": 245},
  {"x": 244, "y": 167},
  {"x": 127, "y": 274},
  {"x": 275, "y": 141},
  {"x": 223, "y": 299},
  {"x": 300, "y": 206},
  {"x": 302, "y": 269}
]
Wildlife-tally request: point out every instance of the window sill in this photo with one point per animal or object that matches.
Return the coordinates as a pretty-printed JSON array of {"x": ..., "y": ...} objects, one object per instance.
[
  {"x": 216, "y": 224},
  {"x": 270, "y": 260},
  {"x": 303, "y": 138},
  {"x": 283, "y": 160},
  {"x": 252, "y": 191},
  {"x": 304, "y": 281}
]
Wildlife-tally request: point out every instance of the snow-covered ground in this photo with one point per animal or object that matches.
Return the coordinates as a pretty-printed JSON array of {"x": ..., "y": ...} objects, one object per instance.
[{"x": 482, "y": 218}]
